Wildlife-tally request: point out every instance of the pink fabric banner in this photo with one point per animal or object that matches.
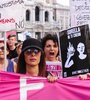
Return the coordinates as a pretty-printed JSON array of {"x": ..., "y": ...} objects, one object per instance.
[{"x": 21, "y": 87}]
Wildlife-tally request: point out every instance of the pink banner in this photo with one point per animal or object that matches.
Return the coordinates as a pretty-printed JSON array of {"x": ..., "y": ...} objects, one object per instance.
[{"x": 21, "y": 87}]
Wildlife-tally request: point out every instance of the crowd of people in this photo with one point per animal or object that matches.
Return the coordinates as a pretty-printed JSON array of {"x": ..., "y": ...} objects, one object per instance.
[{"x": 31, "y": 57}]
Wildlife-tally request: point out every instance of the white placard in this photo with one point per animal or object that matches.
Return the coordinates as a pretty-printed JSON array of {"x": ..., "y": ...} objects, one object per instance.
[
  {"x": 80, "y": 12},
  {"x": 11, "y": 15}
]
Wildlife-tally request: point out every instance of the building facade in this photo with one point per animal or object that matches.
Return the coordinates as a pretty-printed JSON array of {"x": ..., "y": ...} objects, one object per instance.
[{"x": 45, "y": 16}]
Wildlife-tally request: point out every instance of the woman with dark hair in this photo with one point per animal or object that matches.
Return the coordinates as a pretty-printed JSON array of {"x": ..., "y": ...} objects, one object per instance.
[
  {"x": 50, "y": 47},
  {"x": 31, "y": 60},
  {"x": 51, "y": 50}
]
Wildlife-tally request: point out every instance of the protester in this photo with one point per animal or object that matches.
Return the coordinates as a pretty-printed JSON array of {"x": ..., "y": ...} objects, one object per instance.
[
  {"x": 11, "y": 46},
  {"x": 51, "y": 49},
  {"x": 31, "y": 60},
  {"x": 6, "y": 64},
  {"x": 18, "y": 50}
]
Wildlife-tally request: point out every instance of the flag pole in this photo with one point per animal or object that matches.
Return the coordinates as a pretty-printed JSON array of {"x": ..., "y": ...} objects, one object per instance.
[{"x": 5, "y": 69}]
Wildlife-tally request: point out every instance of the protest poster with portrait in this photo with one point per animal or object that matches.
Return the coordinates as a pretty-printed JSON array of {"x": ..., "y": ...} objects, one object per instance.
[{"x": 73, "y": 51}]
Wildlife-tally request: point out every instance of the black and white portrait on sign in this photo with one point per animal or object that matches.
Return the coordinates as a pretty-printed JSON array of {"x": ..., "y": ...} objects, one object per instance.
[
  {"x": 81, "y": 50},
  {"x": 70, "y": 52},
  {"x": 74, "y": 52}
]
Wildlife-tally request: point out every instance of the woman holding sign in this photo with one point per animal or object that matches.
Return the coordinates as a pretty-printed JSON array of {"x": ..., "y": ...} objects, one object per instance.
[
  {"x": 51, "y": 50},
  {"x": 31, "y": 60}
]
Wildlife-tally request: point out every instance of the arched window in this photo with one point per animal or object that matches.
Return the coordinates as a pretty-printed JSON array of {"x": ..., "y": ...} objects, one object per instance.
[
  {"x": 54, "y": 14},
  {"x": 27, "y": 15},
  {"x": 37, "y": 13},
  {"x": 46, "y": 16}
]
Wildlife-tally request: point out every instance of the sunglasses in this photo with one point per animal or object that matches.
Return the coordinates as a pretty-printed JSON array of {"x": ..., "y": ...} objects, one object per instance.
[
  {"x": 1, "y": 48},
  {"x": 30, "y": 51}
]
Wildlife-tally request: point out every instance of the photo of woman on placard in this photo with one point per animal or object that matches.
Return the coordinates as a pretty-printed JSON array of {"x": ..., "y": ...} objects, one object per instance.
[{"x": 81, "y": 50}]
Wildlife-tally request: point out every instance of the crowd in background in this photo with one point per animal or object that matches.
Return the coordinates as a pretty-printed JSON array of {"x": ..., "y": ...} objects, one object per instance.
[{"x": 31, "y": 56}]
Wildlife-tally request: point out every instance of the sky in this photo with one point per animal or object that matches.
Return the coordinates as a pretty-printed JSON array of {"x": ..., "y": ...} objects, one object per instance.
[{"x": 63, "y": 2}]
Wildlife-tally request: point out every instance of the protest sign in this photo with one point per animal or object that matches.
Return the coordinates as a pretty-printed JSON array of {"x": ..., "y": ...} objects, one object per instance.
[
  {"x": 73, "y": 51},
  {"x": 54, "y": 68},
  {"x": 80, "y": 12},
  {"x": 11, "y": 15}
]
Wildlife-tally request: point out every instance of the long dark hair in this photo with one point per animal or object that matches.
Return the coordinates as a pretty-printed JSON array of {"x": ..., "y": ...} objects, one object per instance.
[{"x": 21, "y": 66}]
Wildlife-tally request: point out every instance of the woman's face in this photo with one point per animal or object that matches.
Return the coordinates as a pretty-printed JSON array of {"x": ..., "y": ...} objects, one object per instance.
[
  {"x": 32, "y": 57},
  {"x": 51, "y": 50},
  {"x": 81, "y": 48},
  {"x": 2, "y": 51}
]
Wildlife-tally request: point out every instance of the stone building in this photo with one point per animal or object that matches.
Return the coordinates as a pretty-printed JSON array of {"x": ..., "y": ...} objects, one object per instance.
[{"x": 45, "y": 16}]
